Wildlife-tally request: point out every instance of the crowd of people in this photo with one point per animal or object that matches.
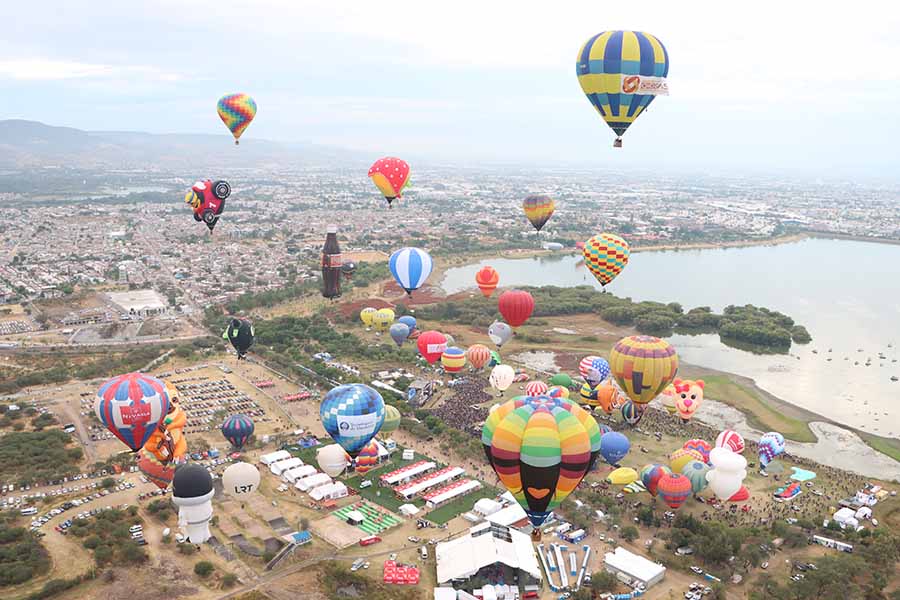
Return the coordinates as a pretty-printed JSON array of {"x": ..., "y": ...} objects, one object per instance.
[{"x": 462, "y": 409}]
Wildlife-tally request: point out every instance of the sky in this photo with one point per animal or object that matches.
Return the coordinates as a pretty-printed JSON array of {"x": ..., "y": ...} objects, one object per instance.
[{"x": 768, "y": 86}]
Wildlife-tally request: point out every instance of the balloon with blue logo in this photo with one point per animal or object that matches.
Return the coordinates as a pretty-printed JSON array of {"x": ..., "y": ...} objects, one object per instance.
[
  {"x": 614, "y": 446},
  {"x": 410, "y": 267},
  {"x": 771, "y": 446},
  {"x": 237, "y": 429},
  {"x": 352, "y": 414},
  {"x": 598, "y": 371},
  {"x": 409, "y": 321},
  {"x": 399, "y": 332},
  {"x": 131, "y": 406}
]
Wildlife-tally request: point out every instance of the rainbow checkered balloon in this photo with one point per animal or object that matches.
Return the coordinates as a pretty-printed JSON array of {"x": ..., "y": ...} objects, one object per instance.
[
  {"x": 236, "y": 111},
  {"x": 606, "y": 255}
]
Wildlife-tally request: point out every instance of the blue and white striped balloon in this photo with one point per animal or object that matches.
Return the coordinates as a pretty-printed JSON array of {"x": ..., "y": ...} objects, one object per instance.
[{"x": 410, "y": 267}]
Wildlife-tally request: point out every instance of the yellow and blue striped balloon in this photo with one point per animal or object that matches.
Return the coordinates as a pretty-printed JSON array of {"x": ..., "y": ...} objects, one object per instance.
[{"x": 621, "y": 72}]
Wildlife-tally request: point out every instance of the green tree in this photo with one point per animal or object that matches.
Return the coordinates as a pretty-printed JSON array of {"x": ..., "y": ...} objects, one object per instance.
[
  {"x": 603, "y": 581},
  {"x": 629, "y": 533},
  {"x": 204, "y": 568}
]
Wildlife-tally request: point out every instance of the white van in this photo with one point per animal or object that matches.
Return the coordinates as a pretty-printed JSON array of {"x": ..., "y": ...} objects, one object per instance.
[
  {"x": 135, "y": 528},
  {"x": 423, "y": 552},
  {"x": 365, "y": 484},
  {"x": 28, "y": 511}
]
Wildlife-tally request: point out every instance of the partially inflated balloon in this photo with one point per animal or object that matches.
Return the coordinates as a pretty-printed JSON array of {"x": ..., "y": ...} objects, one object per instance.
[
  {"x": 367, "y": 459},
  {"x": 516, "y": 307},
  {"x": 131, "y": 406},
  {"x": 607, "y": 396},
  {"x": 159, "y": 473},
  {"x": 391, "y": 176},
  {"x": 495, "y": 359},
  {"x": 540, "y": 449},
  {"x": 332, "y": 459},
  {"x": 478, "y": 356},
  {"x": 366, "y": 315},
  {"x": 382, "y": 319},
  {"x": 622, "y": 476},
  {"x": 536, "y": 388},
  {"x": 399, "y": 332},
  {"x": 614, "y": 446},
  {"x": 487, "y": 279},
  {"x": 651, "y": 474},
  {"x": 453, "y": 359},
  {"x": 667, "y": 398},
  {"x": 674, "y": 489},
  {"x": 240, "y": 480},
  {"x": 236, "y": 111},
  {"x": 352, "y": 415},
  {"x": 621, "y": 72},
  {"x": 701, "y": 446},
  {"x": 500, "y": 333},
  {"x": 538, "y": 208},
  {"x": 681, "y": 457},
  {"x": 561, "y": 379},
  {"x": 606, "y": 256},
  {"x": 410, "y": 268},
  {"x": 643, "y": 366},
  {"x": 731, "y": 440},
  {"x": 431, "y": 345},
  {"x": 728, "y": 472},
  {"x": 558, "y": 392},
  {"x": 391, "y": 419},
  {"x": 696, "y": 472},
  {"x": 240, "y": 334},
  {"x": 632, "y": 413},
  {"x": 502, "y": 377}
]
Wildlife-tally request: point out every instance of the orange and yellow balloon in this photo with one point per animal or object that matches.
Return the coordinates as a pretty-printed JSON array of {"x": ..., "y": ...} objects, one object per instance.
[
  {"x": 606, "y": 256},
  {"x": 538, "y": 208},
  {"x": 643, "y": 366}
]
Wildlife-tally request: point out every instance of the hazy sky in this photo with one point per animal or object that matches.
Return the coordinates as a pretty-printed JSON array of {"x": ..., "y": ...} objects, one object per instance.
[{"x": 762, "y": 85}]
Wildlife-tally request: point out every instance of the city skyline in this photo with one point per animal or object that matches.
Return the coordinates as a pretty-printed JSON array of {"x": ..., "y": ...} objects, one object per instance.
[{"x": 492, "y": 84}]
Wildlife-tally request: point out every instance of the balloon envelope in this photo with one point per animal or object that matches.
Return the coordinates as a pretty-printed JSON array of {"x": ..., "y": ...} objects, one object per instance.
[
  {"x": 409, "y": 321},
  {"x": 240, "y": 479},
  {"x": 558, "y": 392},
  {"x": 332, "y": 459},
  {"x": 382, "y": 319},
  {"x": 453, "y": 360},
  {"x": 367, "y": 459},
  {"x": 237, "y": 429},
  {"x": 366, "y": 315},
  {"x": 561, "y": 379},
  {"x": 643, "y": 366},
  {"x": 352, "y": 415},
  {"x": 771, "y": 446},
  {"x": 622, "y": 476},
  {"x": 478, "y": 356},
  {"x": 431, "y": 345},
  {"x": 399, "y": 332},
  {"x": 614, "y": 446},
  {"x": 632, "y": 413},
  {"x": 731, "y": 440},
  {"x": 499, "y": 332},
  {"x": 651, "y": 474},
  {"x": 391, "y": 176},
  {"x": 391, "y": 419},
  {"x": 240, "y": 334},
  {"x": 701, "y": 446},
  {"x": 410, "y": 268},
  {"x": 536, "y": 388},
  {"x": 158, "y": 472},
  {"x": 487, "y": 279},
  {"x": 696, "y": 472},
  {"x": 516, "y": 307},
  {"x": 605, "y": 256},
  {"x": 237, "y": 111},
  {"x": 502, "y": 377},
  {"x": 681, "y": 457},
  {"x": 131, "y": 406},
  {"x": 674, "y": 489},
  {"x": 538, "y": 208}
]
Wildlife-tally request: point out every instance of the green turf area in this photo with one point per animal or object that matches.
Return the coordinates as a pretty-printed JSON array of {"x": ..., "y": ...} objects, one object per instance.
[
  {"x": 376, "y": 520},
  {"x": 384, "y": 496},
  {"x": 442, "y": 514}
]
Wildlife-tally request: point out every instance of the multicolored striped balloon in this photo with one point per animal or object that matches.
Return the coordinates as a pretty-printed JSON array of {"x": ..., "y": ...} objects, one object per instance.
[
  {"x": 131, "y": 406},
  {"x": 367, "y": 458},
  {"x": 541, "y": 449},
  {"x": 674, "y": 489},
  {"x": 681, "y": 457},
  {"x": 643, "y": 366},
  {"x": 606, "y": 256},
  {"x": 538, "y": 208},
  {"x": 453, "y": 359},
  {"x": 632, "y": 413},
  {"x": 651, "y": 474},
  {"x": 701, "y": 446},
  {"x": 237, "y": 429},
  {"x": 236, "y": 111}
]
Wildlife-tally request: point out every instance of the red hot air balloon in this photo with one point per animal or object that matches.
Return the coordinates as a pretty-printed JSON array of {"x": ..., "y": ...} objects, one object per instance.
[
  {"x": 487, "y": 279},
  {"x": 432, "y": 345},
  {"x": 516, "y": 307},
  {"x": 674, "y": 489}
]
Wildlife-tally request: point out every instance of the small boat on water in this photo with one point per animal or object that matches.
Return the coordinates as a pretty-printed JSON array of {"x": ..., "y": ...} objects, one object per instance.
[{"x": 895, "y": 378}]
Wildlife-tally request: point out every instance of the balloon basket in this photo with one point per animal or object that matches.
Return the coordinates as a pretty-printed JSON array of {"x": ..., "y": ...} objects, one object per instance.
[
  {"x": 617, "y": 143},
  {"x": 536, "y": 534},
  {"x": 237, "y": 142}
]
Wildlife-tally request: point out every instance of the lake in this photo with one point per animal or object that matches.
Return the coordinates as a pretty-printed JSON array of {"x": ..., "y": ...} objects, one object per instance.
[{"x": 846, "y": 293}]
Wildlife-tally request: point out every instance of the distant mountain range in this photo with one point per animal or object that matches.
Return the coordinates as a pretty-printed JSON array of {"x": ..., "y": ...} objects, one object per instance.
[{"x": 25, "y": 144}]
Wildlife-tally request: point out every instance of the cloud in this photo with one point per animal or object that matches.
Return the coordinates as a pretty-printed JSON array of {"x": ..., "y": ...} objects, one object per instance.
[{"x": 43, "y": 69}]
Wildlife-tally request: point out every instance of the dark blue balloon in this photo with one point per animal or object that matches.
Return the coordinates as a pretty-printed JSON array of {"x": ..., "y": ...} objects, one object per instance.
[
  {"x": 614, "y": 446},
  {"x": 237, "y": 429}
]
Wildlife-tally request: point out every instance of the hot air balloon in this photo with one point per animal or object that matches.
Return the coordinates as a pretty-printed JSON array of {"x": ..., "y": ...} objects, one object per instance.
[
  {"x": 536, "y": 388},
  {"x": 621, "y": 72},
  {"x": 502, "y": 377},
  {"x": 593, "y": 369},
  {"x": 681, "y": 457},
  {"x": 696, "y": 471},
  {"x": 431, "y": 345},
  {"x": 207, "y": 201},
  {"x": 495, "y": 359},
  {"x": 632, "y": 413},
  {"x": 731, "y": 440},
  {"x": 391, "y": 176},
  {"x": 410, "y": 267},
  {"x": 399, "y": 332},
  {"x": 607, "y": 396},
  {"x": 538, "y": 208},
  {"x": 643, "y": 366},
  {"x": 391, "y": 419},
  {"x": 622, "y": 476},
  {"x": 562, "y": 379},
  {"x": 516, "y": 307},
  {"x": 540, "y": 449},
  {"x": 367, "y": 459},
  {"x": 587, "y": 395},
  {"x": 667, "y": 398},
  {"x": 131, "y": 406},
  {"x": 367, "y": 314},
  {"x": 382, "y": 319},
  {"x": 478, "y": 356},
  {"x": 451, "y": 341},
  {"x": 771, "y": 446},
  {"x": 673, "y": 489},
  {"x": 651, "y": 474},
  {"x": 409, "y": 321},
  {"x": 453, "y": 360},
  {"x": 352, "y": 415},
  {"x": 192, "y": 493},
  {"x": 167, "y": 443},
  {"x": 487, "y": 279},
  {"x": 237, "y": 429},
  {"x": 240, "y": 480},
  {"x": 558, "y": 392},
  {"x": 688, "y": 397},
  {"x": 614, "y": 446},
  {"x": 605, "y": 256},
  {"x": 742, "y": 495},
  {"x": 701, "y": 446},
  {"x": 348, "y": 269},
  {"x": 332, "y": 459},
  {"x": 240, "y": 334},
  {"x": 727, "y": 473},
  {"x": 236, "y": 111},
  {"x": 159, "y": 473},
  {"x": 500, "y": 333}
]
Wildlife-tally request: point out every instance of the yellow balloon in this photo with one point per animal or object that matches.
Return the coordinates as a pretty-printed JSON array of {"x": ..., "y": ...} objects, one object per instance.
[
  {"x": 643, "y": 366},
  {"x": 366, "y": 314},
  {"x": 382, "y": 319},
  {"x": 681, "y": 457}
]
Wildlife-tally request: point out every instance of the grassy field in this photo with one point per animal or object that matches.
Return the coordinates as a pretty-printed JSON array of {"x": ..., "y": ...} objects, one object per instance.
[{"x": 384, "y": 496}]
